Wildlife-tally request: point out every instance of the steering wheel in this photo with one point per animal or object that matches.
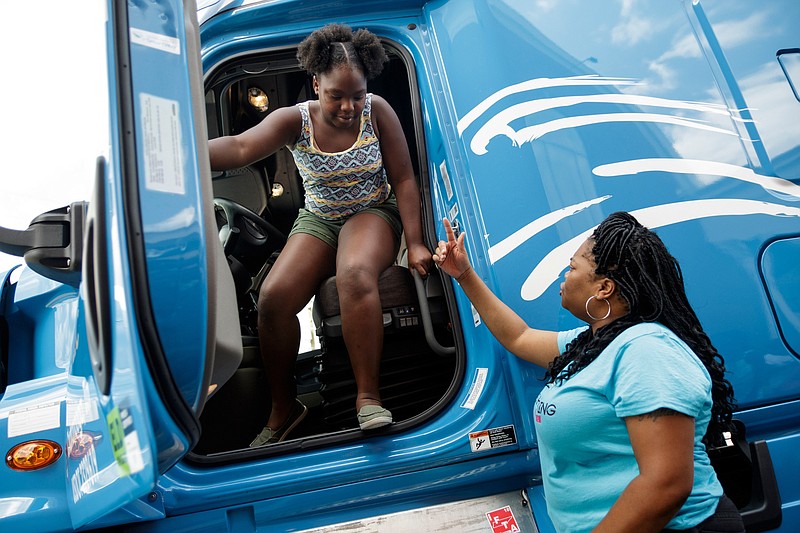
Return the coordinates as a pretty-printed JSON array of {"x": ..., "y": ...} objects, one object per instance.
[{"x": 241, "y": 224}]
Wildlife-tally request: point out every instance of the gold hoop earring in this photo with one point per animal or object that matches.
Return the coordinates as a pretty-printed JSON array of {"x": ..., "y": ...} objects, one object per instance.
[{"x": 608, "y": 313}]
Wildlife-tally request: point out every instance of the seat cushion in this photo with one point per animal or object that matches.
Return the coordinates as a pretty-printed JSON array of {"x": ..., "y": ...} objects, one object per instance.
[{"x": 395, "y": 285}]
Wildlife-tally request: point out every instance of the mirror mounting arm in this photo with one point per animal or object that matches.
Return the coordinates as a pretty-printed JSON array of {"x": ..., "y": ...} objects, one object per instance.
[{"x": 53, "y": 243}]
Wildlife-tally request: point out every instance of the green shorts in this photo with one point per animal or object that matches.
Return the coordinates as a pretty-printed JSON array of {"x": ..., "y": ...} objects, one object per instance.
[{"x": 328, "y": 230}]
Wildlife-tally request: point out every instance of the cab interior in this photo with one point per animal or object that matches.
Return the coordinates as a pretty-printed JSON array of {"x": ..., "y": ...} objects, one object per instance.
[{"x": 255, "y": 207}]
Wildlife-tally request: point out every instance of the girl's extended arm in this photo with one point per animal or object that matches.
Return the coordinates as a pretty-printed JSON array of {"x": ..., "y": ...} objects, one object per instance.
[
  {"x": 397, "y": 162},
  {"x": 279, "y": 128}
]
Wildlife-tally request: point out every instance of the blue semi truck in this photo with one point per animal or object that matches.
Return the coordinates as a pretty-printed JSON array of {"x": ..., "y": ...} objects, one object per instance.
[{"x": 130, "y": 374}]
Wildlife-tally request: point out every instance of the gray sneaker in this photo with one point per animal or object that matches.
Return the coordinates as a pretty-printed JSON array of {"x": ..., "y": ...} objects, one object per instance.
[
  {"x": 271, "y": 436},
  {"x": 373, "y": 417}
]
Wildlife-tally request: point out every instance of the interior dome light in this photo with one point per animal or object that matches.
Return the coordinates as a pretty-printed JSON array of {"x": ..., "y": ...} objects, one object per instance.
[
  {"x": 258, "y": 99},
  {"x": 33, "y": 455}
]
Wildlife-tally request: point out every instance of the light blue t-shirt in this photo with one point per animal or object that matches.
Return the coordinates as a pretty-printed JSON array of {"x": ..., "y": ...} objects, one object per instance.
[{"x": 586, "y": 454}]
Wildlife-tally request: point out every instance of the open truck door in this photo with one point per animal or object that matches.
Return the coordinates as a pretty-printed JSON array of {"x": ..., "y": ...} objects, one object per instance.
[
  {"x": 124, "y": 357},
  {"x": 158, "y": 348}
]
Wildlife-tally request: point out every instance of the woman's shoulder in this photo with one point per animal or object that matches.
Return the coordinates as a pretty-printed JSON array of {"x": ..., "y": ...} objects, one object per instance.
[
  {"x": 648, "y": 329},
  {"x": 648, "y": 332},
  {"x": 655, "y": 338},
  {"x": 567, "y": 336}
]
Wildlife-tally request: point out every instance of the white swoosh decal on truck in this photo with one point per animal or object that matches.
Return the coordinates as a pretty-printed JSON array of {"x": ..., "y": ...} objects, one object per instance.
[
  {"x": 673, "y": 112},
  {"x": 507, "y": 245},
  {"x": 500, "y": 124},
  {"x": 538, "y": 83},
  {"x": 490, "y": 130},
  {"x": 697, "y": 166},
  {"x": 552, "y": 265}
]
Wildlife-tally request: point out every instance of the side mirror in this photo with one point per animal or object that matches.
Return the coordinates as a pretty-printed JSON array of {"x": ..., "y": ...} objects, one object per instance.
[{"x": 52, "y": 245}]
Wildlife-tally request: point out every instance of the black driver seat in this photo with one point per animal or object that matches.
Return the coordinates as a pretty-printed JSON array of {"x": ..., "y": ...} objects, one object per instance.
[
  {"x": 398, "y": 300},
  {"x": 413, "y": 377}
]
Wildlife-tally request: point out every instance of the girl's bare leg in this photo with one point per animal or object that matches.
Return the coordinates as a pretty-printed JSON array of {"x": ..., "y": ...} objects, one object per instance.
[
  {"x": 294, "y": 278},
  {"x": 367, "y": 247}
]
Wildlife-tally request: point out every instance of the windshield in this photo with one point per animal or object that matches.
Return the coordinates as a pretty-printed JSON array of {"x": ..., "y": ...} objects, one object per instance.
[{"x": 54, "y": 104}]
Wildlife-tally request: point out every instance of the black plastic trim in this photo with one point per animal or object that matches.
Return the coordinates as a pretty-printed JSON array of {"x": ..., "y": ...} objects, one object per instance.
[
  {"x": 747, "y": 475},
  {"x": 52, "y": 245},
  {"x": 5, "y": 292},
  {"x": 763, "y": 512},
  {"x": 96, "y": 284}
]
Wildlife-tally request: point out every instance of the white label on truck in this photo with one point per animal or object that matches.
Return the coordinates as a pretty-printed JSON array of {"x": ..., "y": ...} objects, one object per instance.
[
  {"x": 158, "y": 41},
  {"x": 161, "y": 132},
  {"x": 32, "y": 419},
  {"x": 453, "y": 212},
  {"x": 476, "y": 389},
  {"x": 476, "y": 317},
  {"x": 448, "y": 187}
]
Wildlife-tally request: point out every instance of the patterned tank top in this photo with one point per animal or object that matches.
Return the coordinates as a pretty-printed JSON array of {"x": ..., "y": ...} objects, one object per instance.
[{"x": 341, "y": 184}]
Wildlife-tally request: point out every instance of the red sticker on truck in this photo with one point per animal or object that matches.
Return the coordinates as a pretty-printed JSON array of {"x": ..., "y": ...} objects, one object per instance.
[{"x": 502, "y": 520}]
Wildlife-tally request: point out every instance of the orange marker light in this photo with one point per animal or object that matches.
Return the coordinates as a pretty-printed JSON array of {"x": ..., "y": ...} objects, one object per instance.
[
  {"x": 81, "y": 444},
  {"x": 33, "y": 455}
]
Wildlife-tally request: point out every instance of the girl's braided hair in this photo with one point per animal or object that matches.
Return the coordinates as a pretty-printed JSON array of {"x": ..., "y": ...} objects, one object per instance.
[
  {"x": 650, "y": 281},
  {"x": 336, "y": 45}
]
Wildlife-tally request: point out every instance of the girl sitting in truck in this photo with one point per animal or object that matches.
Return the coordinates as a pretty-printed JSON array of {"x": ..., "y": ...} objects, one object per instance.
[{"x": 360, "y": 194}]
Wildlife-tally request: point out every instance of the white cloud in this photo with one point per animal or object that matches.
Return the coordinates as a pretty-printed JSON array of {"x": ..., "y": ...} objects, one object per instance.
[
  {"x": 730, "y": 34},
  {"x": 770, "y": 102},
  {"x": 632, "y": 30},
  {"x": 547, "y": 5},
  {"x": 665, "y": 78},
  {"x": 686, "y": 46},
  {"x": 733, "y": 33},
  {"x": 627, "y": 7}
]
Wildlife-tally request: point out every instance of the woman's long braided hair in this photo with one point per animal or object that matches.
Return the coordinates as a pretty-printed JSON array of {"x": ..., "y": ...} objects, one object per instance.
[
  {"x": 650, "y": 281},
  {"x": 337, "y": 45}
]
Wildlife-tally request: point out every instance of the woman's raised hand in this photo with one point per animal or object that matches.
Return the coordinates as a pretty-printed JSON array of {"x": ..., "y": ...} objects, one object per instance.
[{"x": 451, "y": 256}]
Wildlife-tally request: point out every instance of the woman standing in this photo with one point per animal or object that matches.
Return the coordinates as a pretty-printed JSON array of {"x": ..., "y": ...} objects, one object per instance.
[{"x": 632, "y": 400}]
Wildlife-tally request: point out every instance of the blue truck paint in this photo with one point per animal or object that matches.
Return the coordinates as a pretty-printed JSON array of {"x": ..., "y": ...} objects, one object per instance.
[{"x": 533, "y": 124}]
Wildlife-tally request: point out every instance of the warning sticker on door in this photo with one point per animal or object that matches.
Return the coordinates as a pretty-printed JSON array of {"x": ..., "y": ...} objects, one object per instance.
[
  {"x": 502, "y": 520},
  {"x": 492, "y": 438},
  {"x": 163, "y": 159}
]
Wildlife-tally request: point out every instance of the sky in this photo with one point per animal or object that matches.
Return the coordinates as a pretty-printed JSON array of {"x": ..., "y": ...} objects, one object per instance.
[{"x": 53, "y": 104}]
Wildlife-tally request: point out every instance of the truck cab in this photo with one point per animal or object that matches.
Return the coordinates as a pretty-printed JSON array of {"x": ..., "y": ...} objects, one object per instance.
[{"x": 132, "y": 380}]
